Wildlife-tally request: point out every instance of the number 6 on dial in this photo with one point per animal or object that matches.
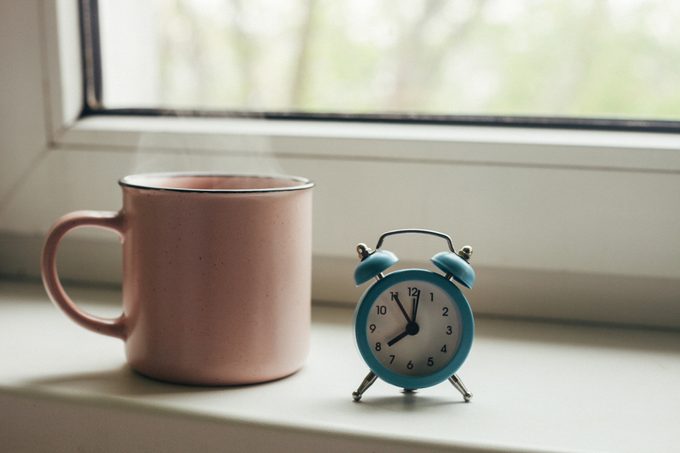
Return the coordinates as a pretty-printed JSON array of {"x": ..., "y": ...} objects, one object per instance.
[{"x": 414, "y": 327}]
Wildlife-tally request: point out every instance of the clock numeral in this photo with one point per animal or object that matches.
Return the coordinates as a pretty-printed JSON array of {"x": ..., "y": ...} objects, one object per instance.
[
  {"x": 381, "y": 309},
  {"x": 415, "y": 294},
  {"x": 392, "y": 356},
  {"x": 445, "y": 311},
  {"x": 449, "y": 330},
  {"x": 431, "y": 297},
  {"x": 409, "y": 365},
  {"x": 378, "y": 346},
  {"x": 394, "y": 295},
  {"x": 443, "y": 349},
  {"x": 430, "y": 361},
  {"x": 372, "y": 328}
]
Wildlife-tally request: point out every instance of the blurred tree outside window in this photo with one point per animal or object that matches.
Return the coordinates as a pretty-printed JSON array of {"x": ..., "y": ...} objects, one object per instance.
[{"x": 595, "y": 58}]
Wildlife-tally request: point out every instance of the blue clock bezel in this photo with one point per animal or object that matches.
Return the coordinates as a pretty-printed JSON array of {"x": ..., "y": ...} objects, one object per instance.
[{"x": 361, "y": 324}]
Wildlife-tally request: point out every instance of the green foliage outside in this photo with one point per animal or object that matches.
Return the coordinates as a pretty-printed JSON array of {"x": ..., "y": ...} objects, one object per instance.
[{"x": 596, "y": 58}]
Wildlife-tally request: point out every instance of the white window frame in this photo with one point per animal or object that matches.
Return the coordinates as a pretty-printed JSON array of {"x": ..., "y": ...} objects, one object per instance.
[{"x": 633, "y": 278}]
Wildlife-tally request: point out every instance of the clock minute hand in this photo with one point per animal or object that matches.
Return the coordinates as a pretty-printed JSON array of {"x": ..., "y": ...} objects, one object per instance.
[{"x": 395, "y": 297}]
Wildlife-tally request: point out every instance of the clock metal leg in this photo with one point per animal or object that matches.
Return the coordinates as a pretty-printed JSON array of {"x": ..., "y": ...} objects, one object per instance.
[
  {"x": 458, "y": 384},
  {"x": 365, "y": 384}
]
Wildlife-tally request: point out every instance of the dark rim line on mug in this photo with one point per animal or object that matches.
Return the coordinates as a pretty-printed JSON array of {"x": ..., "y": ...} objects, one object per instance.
[{"x": 125, "y": 182}]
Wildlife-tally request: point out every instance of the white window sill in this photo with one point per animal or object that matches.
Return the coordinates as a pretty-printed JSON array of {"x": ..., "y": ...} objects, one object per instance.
[
  {"x": 537, "y": 387},
  {"x": 526, "y": 147}
]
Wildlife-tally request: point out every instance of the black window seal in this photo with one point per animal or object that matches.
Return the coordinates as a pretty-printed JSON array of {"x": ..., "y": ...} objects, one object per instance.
[{"x": 93, "y": 102}]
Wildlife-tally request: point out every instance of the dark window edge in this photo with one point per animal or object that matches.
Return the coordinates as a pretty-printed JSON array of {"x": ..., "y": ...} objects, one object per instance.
[{"x": 514, "y": 121}]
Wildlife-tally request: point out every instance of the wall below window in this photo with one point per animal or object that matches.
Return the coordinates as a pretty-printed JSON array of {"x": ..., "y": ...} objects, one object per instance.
[{"x": 564, "y": 224}]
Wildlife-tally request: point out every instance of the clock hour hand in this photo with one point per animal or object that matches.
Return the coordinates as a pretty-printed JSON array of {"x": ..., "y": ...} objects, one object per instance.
[
  {"x": 395, "y": 297},
  {"x": 397, "y": 338},
  {"x": 411, "y": 329}
]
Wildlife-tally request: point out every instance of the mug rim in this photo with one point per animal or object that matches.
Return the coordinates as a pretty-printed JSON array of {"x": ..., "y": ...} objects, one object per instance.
[{"x": 129, "y": 181}]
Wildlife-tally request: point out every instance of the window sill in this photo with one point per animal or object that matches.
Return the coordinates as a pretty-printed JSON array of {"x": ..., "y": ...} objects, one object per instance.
[
  {"x": 533, "y": 148},
  {"x": 538, "y": 387}
]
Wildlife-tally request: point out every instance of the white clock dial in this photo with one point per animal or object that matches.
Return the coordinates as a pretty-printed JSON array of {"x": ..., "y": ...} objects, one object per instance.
[{"x": 414, "y": 328}]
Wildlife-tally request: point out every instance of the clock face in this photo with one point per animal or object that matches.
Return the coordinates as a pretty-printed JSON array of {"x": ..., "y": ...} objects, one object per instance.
[
  {"x": 422, "y": 338},
  {"x": 414, "y": 328}
]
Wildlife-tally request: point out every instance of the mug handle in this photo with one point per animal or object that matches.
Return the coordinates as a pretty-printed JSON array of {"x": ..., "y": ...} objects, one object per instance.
[{"x": 100, "y": 219}]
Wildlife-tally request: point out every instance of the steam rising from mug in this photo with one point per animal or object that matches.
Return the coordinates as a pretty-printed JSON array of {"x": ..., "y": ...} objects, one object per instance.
[{"x": 209, "y": 145}]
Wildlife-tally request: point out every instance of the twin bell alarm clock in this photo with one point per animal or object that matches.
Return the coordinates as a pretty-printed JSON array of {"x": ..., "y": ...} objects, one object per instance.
[{"x": 414, "y": 327}]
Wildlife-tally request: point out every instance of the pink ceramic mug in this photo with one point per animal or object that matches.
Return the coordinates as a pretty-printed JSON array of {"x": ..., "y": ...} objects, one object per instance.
[{"x": 216, "y": 275}]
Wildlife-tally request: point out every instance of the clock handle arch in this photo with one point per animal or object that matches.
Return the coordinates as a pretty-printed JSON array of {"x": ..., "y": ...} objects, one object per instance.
[{"x": 444, "y": 236}]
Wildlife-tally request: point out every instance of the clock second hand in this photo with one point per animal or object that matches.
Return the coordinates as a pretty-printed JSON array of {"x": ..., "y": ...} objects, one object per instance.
[{"x": 415, "y": 308}]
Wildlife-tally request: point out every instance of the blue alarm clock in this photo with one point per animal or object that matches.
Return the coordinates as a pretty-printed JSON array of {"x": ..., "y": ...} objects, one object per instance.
[{"x": 414, "y": 327}]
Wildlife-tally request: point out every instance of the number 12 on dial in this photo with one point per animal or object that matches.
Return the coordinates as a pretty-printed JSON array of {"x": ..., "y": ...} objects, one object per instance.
[{"x": 413, "y": 327}]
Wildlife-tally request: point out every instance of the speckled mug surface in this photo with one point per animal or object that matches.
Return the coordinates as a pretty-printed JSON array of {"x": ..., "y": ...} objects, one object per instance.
[{"x": 216, "y": 275}]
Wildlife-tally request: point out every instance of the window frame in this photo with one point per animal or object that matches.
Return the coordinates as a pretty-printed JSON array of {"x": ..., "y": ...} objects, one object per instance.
[{"x": 77, "y": 141}]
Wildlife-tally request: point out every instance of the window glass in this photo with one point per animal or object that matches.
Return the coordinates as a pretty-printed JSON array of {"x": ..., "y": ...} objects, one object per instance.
[{"x": 597, "y": 58}]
